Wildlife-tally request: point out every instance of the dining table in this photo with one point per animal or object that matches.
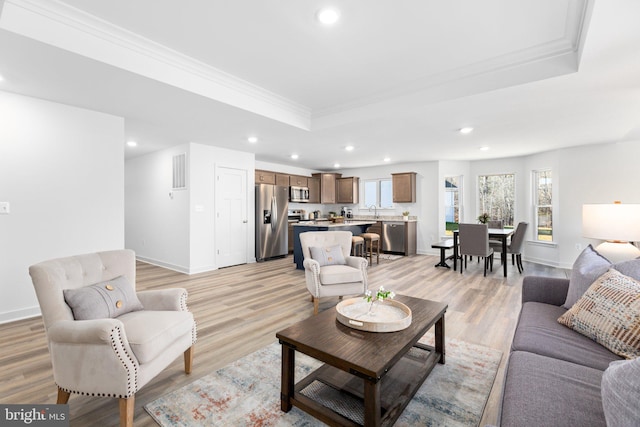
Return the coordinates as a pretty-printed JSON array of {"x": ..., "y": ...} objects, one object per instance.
[{"x": 501, "y": 234}]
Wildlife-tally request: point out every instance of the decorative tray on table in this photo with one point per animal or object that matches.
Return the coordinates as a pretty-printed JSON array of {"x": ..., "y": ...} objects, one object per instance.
[{"x": 386, "y": 316}]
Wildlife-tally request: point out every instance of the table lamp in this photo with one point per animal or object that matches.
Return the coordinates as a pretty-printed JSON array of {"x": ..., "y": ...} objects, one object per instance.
[{"x": 616, "y": 223}]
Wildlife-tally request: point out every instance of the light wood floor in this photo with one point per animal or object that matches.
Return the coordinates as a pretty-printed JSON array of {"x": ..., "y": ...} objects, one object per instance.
[{"x": 239, "y": 309}]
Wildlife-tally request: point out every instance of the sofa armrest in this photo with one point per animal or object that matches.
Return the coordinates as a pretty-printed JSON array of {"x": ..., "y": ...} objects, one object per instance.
[
  {"x": 311, "y": 264},
  {"x": 548, "y": 290},
  {"x": 96, "y": 331},
  {"x": 174, "y": 299},
  {"x": 357, "y": 262}
]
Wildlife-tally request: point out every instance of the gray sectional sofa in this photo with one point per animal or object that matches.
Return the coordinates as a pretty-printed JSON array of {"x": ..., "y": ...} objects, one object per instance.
[{"x": 554, "y": 375}]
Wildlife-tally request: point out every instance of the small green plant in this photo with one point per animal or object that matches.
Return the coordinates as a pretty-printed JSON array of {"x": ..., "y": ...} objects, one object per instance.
[
  {"x": 405, "y": 213},
  {"x": 483, "y": 218},
  {"x": 381, "y": 295}
]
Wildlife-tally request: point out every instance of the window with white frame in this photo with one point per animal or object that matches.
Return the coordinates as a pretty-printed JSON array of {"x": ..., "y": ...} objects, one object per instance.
[
  {"x": 542, "y": 204},
  {"x": 452, "y": 203},
  {"x": 497, "y": 197},
  {"x": 378, "y": 193}
]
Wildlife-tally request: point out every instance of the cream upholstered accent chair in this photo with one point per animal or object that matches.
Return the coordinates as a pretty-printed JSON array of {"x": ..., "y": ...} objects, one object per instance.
[
  {"x": 109, "y": 356},
  {"x": 335, "y": 274}
]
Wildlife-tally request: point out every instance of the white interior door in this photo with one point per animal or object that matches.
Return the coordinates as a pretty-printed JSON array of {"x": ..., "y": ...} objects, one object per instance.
[{"x": 231, "y": 216}]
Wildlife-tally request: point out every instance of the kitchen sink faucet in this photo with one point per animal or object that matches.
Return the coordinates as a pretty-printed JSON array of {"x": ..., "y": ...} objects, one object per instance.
[{"x": 375, "y": 211}]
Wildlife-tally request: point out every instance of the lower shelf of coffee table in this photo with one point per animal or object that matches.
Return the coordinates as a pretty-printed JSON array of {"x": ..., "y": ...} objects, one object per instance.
[{"x": 336, "y": 397}]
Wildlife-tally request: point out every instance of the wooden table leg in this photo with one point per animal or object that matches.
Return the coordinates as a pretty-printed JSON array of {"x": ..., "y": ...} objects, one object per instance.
[
  {"x": 440, "y": 347},
  {"x": 372, "y": 410},
  {"x": 287, "y": 387}
]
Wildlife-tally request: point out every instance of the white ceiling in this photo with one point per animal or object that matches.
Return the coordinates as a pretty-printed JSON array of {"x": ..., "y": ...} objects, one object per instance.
[{"x": 394, "y": 79}]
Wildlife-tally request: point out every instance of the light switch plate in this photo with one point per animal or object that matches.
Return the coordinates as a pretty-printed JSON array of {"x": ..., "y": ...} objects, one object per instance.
[{"x": 5, "y": 208}]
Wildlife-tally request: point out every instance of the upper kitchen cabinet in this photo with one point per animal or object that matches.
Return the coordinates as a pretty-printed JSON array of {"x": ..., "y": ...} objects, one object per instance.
[
  {"x": 314, "y": 189},
  {"x": 404, "y": 187},
  {"x": 298, "y": 181},
  {"x": 327, "y": 186},
  {"x": 265, "y": 177},
  {"x": 348, "y": 190},
  {"x": 282, "y": 179}
]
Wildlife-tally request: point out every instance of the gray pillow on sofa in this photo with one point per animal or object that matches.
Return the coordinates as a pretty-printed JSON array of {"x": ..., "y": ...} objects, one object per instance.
[
  {"x": 586, "y": 269},
  {"x": 108, "y": 299},
  {"x": 331, "y": 255},
  {"x": 621, "y": 393}
]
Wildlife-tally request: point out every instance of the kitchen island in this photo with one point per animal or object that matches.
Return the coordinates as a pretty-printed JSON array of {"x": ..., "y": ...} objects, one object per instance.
[{"x": 356, "y": 227}]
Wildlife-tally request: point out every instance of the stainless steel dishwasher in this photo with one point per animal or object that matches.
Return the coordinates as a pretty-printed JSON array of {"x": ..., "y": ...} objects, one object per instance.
[{"x": 393, "y": 236}]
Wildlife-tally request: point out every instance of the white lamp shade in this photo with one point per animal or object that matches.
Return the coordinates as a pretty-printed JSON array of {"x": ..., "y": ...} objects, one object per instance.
[{"x": 616, "y": 221}]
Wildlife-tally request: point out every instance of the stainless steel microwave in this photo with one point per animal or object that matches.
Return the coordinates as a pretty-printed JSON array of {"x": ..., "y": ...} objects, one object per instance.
[{"x": 298, "y": 194}]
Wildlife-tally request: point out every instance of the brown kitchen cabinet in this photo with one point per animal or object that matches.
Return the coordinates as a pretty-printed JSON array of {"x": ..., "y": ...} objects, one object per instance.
[
  {"x": 327, "y": 186},
  {"x": 298, "y": 181},
  {"x": 404, "y": 187},
  {"x": 347, "y": 190},
  {"x": 282, "y": 179},
  {"x": 265, "y": 177},
  {"x": 314, "y": 189},
  {"x": 290, "y": 237}
]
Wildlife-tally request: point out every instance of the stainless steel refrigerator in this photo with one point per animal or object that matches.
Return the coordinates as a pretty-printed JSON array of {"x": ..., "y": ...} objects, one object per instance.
[{"x": 272, "y": 202}]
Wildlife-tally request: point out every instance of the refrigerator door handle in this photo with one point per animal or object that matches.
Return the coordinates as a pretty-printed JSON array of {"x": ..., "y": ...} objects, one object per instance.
[{"x": 274, "y": 213}]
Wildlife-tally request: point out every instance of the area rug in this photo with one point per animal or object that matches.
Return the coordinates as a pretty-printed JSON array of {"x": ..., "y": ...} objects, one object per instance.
[
  {"x": 390, "y": 257},
  {"x": 247, "y": 392}
]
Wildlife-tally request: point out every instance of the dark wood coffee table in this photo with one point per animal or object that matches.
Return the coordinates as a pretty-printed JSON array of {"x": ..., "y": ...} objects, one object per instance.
[{"x": 376, "y": 374}]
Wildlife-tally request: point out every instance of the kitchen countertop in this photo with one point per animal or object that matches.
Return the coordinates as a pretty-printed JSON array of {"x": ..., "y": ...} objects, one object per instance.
[{"x": 334, "y": 224}]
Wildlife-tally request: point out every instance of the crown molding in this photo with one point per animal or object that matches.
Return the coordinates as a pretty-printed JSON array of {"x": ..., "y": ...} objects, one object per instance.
[
  {"x": 556, "y": 57},
  {"x": 56, "y": 23}
]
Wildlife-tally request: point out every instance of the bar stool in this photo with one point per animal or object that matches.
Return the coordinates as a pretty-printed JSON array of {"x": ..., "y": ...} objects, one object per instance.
[
  {"x": 369, "y": 240},
  {"x": 357, "y": 246}
]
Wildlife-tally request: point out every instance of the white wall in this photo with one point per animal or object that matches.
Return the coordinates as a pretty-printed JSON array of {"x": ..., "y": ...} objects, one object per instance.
[
  {"x": 593, "y": 174},
  {"x": 62, "y": 170},
  {"x": 176, "y": 229},
  {"x": 157, "y": 217}
]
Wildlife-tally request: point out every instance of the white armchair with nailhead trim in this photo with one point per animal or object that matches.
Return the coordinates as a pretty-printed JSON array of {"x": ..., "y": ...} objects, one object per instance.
[
  {"x": 348, "y": 277},
  {"x": 111, "y": 357}
]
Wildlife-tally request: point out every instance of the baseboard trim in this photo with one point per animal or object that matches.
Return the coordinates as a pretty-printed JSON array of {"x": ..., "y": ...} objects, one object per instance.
[
  {"x": 178, "y": 268},
  {"x": 24, "y": 313},
  {"x": 174, "y": 267}
]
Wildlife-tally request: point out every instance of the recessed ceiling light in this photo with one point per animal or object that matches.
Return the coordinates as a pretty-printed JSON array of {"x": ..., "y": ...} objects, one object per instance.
[
  {"x": 484, "y": 148},
  {"x": 328, "y": 16},
  {"x": 336, "y": 165},
  {"x": 132, "y": 143},
  {"x": 252, "y": 139},
  {"x": 349, "y": 147},
  {"x": 466, "y": 130},
  {"x": 387, "y": 159},
  {"x": 294, "y": 156}
]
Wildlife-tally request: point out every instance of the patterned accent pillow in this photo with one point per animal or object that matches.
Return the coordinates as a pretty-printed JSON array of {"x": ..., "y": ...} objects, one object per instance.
[
  {"x": 609, "y": 313},
  {"x": 328, "y": 256},
  {"x": 108, "y": 299}
]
